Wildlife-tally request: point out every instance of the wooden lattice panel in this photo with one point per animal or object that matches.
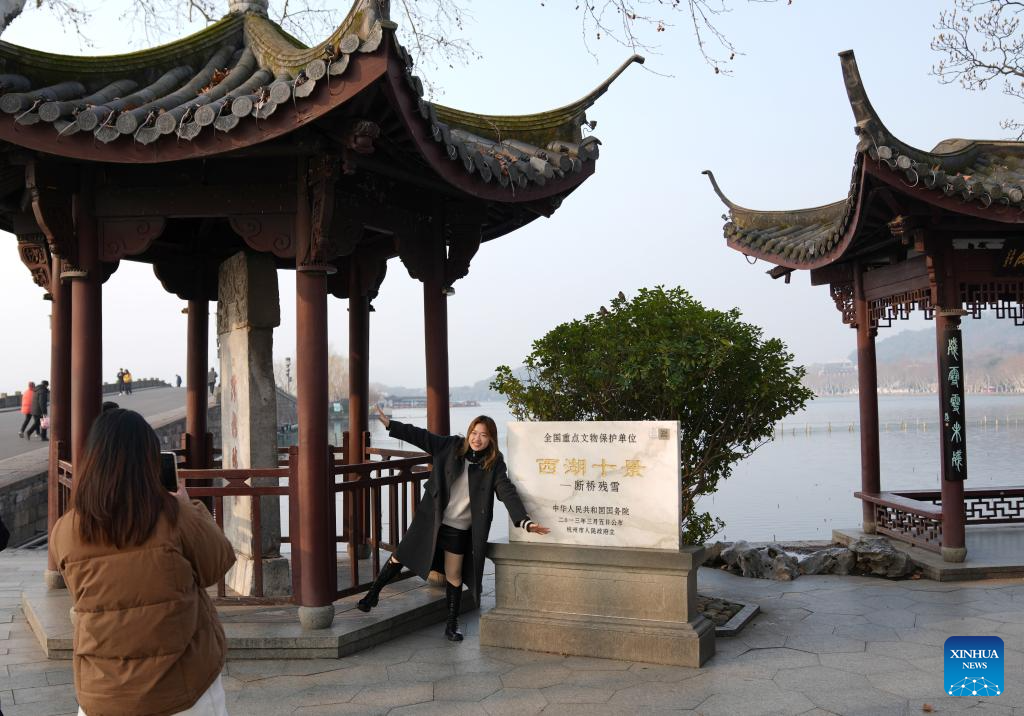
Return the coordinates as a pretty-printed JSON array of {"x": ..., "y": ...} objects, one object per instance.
[
  {"x": 994, "y": 510},
  {"x": 919, "y": 530}
]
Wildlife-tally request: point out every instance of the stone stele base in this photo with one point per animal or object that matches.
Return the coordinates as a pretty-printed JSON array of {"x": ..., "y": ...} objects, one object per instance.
[
  {"x": 611, "y": 603},
  {"x": 277, "y": 576}
]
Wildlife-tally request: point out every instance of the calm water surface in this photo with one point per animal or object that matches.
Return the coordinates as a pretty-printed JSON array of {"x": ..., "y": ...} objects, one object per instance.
[{"x": 800, "y": 485}]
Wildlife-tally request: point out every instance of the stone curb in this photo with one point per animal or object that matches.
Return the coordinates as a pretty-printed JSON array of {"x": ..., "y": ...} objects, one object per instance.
[{"x": 739, "y": 620}]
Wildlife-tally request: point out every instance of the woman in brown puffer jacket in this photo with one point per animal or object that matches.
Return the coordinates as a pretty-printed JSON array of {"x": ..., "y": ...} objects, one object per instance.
[{"x": 137, "y": 560}]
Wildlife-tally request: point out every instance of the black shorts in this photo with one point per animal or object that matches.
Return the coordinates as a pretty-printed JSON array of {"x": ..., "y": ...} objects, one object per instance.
[{"x": 456, "y": 541}]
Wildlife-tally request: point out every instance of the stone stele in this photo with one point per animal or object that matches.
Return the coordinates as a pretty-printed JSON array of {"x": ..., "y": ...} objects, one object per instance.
[
  {"x": 247, "y": 312},
  {"x": 605, "y": 602}
]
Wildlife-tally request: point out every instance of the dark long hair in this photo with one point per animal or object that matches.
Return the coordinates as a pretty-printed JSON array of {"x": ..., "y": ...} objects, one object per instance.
[
  {"x": 116, "y": 489},
  {"x": 492, "y": 452}
]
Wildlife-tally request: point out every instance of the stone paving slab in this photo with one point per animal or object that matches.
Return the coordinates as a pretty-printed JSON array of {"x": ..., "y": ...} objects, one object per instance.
[{"x": 806, "y": 653}]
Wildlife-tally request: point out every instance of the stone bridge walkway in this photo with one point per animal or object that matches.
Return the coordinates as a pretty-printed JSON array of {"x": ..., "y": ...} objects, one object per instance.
[{"x": 822, "y": 645}]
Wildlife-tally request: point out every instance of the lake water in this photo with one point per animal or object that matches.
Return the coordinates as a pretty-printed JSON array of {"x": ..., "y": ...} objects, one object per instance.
[{"x": 800, "y": 485}]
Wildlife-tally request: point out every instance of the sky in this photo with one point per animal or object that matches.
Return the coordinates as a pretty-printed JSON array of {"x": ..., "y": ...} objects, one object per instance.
[{"x": 778, "y": 133}]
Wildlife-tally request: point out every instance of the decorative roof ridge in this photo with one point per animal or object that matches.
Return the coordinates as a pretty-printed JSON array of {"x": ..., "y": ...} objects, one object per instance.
[
  {"x": 881, "y": 144},
  {"x": 490, "y": 124},
  {"x": 206, "y": 41},
  {"x": 361, "y": 31},
  {"x": 748, "y": 218}
]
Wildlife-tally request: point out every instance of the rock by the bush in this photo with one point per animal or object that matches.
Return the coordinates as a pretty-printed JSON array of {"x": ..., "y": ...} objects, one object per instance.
[
  {"x": 743, "y": 559},
  {"x": 845, "y": 560},
  {"x": 832, "y": 560},
  {"x": 819, "y": 562},
  {"x": 713, "y": 553},
  {"x": 877, "y": 557},
  {"x": 784, "y": 567}
]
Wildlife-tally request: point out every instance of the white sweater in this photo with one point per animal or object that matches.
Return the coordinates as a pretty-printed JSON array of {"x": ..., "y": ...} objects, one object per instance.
[{"x": 457, "y": 513}]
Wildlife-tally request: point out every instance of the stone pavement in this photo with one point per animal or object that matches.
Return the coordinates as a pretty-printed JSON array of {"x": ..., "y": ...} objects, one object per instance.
[
  {"x": 150, "y": 402},
  {"x": 822, "y": 645}
]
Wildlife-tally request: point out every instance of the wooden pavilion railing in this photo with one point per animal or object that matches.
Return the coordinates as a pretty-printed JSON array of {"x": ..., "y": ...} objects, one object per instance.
[
  {"x": 394, "y": 473},
  {"x": 915, "y": 516}
]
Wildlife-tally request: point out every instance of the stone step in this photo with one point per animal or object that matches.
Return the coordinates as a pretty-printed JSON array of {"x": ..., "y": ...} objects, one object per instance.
[{"x": 273, "y": 631}]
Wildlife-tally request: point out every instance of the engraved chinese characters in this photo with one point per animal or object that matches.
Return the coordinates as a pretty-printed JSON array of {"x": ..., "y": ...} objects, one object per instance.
[
  {"x": 613, "y": 484},
  {"x": 951, "y": 389}
]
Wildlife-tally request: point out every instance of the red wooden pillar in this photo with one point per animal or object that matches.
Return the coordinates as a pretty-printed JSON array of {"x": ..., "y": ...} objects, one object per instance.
[
  {"x": 86, "y": 324},
  {"x": 358, "y": 364},
  {"x": 357, "y": 511},
  {"x": 954, "y": 434},
  {"x": 195, "y": 382},
  {"x": 949, "y": 351},
  {"x": 314, "y": 482},
  {"x": 867, "y": 388},
  {"x": 60, "y": 402},
  {"x": 435, "y": 332}
]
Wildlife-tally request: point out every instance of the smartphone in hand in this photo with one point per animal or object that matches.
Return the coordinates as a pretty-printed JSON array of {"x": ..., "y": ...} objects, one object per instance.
[{"x": 169, "y": 471}]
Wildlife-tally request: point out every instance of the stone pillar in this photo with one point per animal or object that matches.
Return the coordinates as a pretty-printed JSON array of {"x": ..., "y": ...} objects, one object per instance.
[
  {"x": 60, "y": 402},
  {"x": 867, "y": 385},
  {"x": 247, "y": 313}
]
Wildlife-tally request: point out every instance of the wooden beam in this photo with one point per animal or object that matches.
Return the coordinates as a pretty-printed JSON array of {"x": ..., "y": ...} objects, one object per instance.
[
  {"x": 195, "y": 201},
  {"x": 897, "y": 278}
]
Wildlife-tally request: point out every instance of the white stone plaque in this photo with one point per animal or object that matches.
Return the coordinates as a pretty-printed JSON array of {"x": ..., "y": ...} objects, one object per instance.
[{"x": 608, "y": 484}]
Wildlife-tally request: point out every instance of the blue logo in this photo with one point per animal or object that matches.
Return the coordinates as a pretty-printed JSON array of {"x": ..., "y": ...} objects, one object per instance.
[{"x": 973, "y": 666}]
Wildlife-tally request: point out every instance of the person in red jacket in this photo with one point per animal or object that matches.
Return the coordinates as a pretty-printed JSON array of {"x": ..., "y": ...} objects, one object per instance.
[{"x": 26, "y": 407}]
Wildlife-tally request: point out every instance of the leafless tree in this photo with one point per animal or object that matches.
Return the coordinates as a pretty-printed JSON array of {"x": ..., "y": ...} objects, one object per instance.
[
  {"x": 435, "y": 30},
  {"x": 982, "y": 43}
]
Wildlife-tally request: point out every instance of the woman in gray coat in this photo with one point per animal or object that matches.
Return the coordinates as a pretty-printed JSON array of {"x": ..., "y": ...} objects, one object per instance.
[{"x": 455, "y": 512}]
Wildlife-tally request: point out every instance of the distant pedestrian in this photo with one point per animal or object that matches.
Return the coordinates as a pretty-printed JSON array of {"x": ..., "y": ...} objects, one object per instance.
[
  {"x": 211, "y": 379},
  {"x": 138, "y": 560},
  {"x": 177, "y": 380},
  {"x": 127, "y": 382},
  {"x": 26, "y": 407},
  {"x": 120, "y": 381},
  {"x": 40, "y": 404}
]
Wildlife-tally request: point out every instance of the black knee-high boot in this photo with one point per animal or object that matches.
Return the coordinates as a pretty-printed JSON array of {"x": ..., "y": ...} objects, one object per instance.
[
  {"x": 454, "y": 594},
  {"x": 388, "y": 572}
]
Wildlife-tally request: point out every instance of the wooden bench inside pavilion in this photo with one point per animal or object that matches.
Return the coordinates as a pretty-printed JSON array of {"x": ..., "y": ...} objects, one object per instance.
[{"x": 933, "y": 231}]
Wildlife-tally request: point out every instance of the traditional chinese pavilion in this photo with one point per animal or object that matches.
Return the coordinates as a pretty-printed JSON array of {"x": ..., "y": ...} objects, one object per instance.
[
  {"x": 241, "y": 139},
  {"x": 937, "y": 231}
]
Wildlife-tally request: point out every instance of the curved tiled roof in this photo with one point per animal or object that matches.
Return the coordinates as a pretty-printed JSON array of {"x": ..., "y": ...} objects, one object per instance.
[
  {"x": 981, "y": 174},
  {"x": 240, "y": 71},
  {"x": 241, "y": 68}
]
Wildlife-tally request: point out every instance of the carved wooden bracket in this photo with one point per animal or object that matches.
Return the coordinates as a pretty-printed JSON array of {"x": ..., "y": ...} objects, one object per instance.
[
  {"x": 36, "y": 257},
  {"x": 267, "y": 233},
  {"x": 372, "y": 266},
  {"x": 128, "y": 237},
  {"x": 187, "y": 280},
  {"x": 421, "y": 249},
  {"x": 842, "y": 294},
  {"x": 464, "y": 233},
  {"x": 323, "y": 173},
  {"x": 51, "y": 189},
  {"x": 359, "y": 138}
]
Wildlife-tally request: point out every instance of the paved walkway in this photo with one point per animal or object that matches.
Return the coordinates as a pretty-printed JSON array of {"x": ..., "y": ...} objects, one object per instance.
[
  {"x": 822, "y": 645},
  {"x": 149, "y": 402}
]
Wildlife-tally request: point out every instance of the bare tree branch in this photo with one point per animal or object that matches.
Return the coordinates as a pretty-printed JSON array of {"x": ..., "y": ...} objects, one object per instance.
[{"x": 982, "y": 42}]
